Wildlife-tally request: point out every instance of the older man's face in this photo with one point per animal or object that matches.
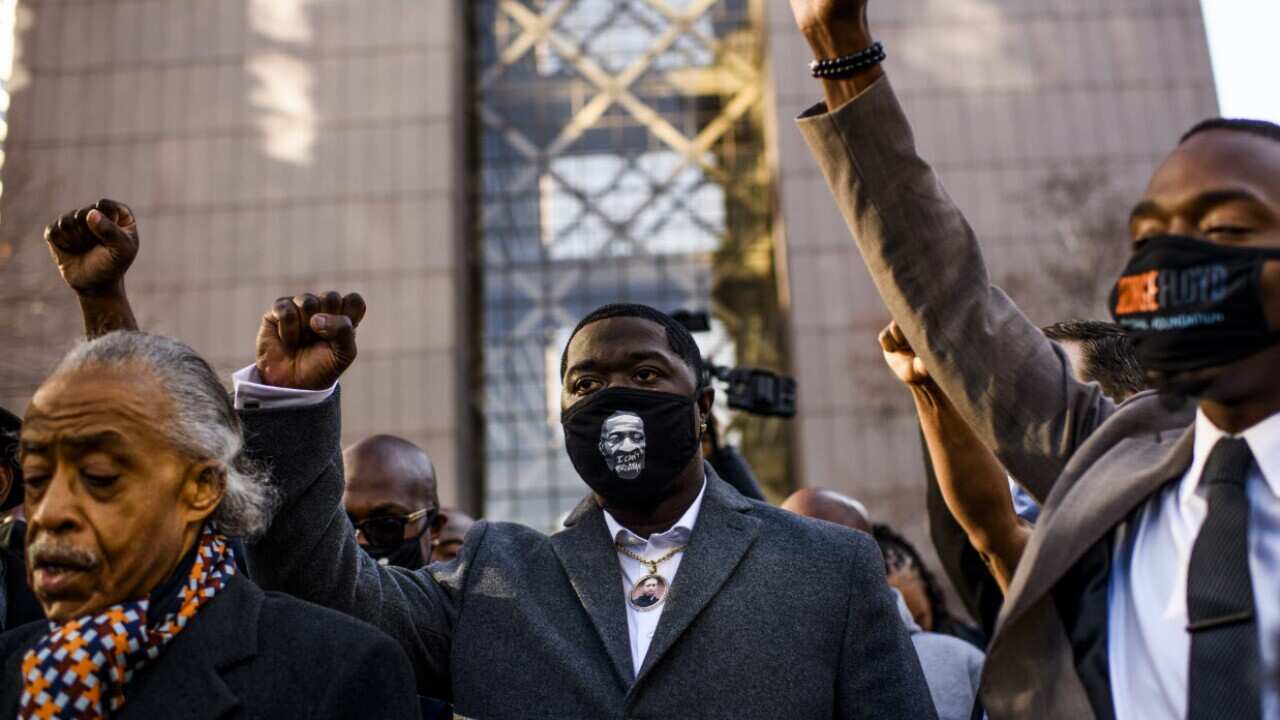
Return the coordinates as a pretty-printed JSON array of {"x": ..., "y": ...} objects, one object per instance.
[{"x": 111, "y": 505}]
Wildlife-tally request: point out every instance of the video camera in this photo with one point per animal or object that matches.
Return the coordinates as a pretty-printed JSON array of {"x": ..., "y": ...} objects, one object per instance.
[{"x": 759, "y": 392}]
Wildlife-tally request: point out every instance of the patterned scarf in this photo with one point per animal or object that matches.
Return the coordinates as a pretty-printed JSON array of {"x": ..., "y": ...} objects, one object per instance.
[{"x": 80, "y": 668}]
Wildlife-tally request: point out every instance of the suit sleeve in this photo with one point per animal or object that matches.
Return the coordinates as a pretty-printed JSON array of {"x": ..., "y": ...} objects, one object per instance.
[
  {"x": 310, "y": 550},
  {"x": 1010, "y": 383},
  {"x": 880, "y": 675}
]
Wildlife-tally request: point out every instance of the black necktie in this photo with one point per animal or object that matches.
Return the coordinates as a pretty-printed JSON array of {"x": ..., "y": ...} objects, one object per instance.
[{"x": 1225, "y": 668}]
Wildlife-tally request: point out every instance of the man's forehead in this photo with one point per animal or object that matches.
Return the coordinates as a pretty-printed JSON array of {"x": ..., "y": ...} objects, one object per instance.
[
  {"x": 1216, "y": 160},
  {"x": 79, "y": 401},
  {"x": 616, "y": 338}
]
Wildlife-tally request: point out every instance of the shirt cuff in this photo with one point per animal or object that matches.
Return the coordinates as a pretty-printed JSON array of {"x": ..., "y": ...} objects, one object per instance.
[{"x": 251, "y": 394}]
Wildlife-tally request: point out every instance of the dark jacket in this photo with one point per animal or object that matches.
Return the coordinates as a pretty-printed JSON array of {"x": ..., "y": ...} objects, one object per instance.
[
  {"x": 20, "y": 604},
  {"x": 251, "y": 654},
  {"x": 733, "y": 469},
  {"x": 771, "y": 615}
]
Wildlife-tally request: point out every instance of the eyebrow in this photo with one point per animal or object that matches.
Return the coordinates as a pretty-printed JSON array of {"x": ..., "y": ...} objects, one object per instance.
[
  {"x": 633, "y": 357},
  {"x": 77, "y": 443},
  {"x": 1209, "y": 198}
]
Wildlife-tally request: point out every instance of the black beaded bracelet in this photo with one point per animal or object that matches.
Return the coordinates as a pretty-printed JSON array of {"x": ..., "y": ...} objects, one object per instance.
[{"x": 848, "y": 65}]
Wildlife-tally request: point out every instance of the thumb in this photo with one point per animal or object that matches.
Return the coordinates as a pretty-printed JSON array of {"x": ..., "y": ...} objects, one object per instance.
[{"x": 339, "y": 332}]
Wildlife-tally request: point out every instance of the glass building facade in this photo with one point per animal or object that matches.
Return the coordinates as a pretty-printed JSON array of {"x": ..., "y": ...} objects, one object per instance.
[{"x": 620, "y": 156}]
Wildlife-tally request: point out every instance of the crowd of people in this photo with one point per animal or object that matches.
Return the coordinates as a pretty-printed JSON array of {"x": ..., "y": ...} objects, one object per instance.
[{"x": 1104, "y": 496}]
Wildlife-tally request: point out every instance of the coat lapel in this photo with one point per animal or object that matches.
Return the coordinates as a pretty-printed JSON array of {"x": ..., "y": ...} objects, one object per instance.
[
  {"x": 721, "y": 536},
  {"x": 586, "y": 552},
  {"x": 186, "y": 680},
  {"x": 1090, "y": 510}
]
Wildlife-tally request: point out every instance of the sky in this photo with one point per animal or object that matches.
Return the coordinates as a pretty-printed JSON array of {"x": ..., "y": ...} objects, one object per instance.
[{"x": 1246, "y": 56}]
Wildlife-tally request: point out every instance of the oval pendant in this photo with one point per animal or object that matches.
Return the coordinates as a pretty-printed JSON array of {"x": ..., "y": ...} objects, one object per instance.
[{"x": 648, "y": 592}]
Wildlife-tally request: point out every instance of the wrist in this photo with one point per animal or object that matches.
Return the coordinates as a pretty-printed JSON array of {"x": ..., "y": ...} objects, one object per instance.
[
  {"x": 837, "y": 39},
  {"x": 927, "y": 395},
  {"x": 104, "y": 293}
]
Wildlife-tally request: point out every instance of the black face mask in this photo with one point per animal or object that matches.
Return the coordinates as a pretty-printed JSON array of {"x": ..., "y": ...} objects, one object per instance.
[
  {"x": 407, "y": 554},
  {"x": 630, "y": 445},
  {"x": 1189, "y": 304}
]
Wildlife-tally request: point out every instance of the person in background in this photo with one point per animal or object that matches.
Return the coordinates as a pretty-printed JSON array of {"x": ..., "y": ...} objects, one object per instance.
[
  {"x": 829, "y": 505},
  {"x": 907, "y": 573},
  {"x": 135, "y": 481},
  {"x": 448, "y": 542},
  {"x": 390, "y": 496},
  {"x": 951, "y": 666},
  {"x": 1148, "y": 586},
  {"x": 18, "y": 604}
]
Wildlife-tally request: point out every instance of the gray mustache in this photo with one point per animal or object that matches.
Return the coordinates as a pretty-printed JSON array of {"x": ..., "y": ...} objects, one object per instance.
[{"x": 48, "y": 552}]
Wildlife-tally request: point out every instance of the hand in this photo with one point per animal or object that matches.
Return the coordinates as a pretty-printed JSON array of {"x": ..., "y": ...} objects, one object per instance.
[
  {"x": 901, "y": 359},
  {"x": 94, "y": 247},
  {"x": 833, "y": 27},
  {"x": 307, "y": 342}
]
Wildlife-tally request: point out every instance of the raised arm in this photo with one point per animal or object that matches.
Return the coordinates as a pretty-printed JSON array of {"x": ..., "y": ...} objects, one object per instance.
[
  {"x": 974, "y": 485},
  {"x": 94, "y": 247},
  {"x": 290, "y": 408},
  {"x": 1011, "y": 385}
]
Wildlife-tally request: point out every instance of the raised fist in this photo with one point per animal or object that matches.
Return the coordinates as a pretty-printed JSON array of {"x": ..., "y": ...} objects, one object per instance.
[
  {"x": 307, "y": 342},
  {"x": 94, "y": 246},
  {"x": 901, "y": 359}
]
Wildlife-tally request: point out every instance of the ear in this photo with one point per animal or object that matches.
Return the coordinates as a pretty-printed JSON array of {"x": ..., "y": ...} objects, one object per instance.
[
  {"x": 438, "y": 524},
  {"x": 706, "y": 399},
  {"x": 202, "y": 490}
]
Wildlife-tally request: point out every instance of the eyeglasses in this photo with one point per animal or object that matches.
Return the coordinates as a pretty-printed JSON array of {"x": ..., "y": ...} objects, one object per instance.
[{"x": 388, "y": 530}]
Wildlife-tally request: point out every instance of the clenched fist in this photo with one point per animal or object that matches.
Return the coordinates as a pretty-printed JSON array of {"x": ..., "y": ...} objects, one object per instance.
[
  {"x": 94, "y": 247},
  {"x": 901, "y": 359},
  {"x": 306, "y": 342}
]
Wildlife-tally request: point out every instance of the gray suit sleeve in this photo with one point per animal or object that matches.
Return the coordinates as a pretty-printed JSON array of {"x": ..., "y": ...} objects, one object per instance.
[
  {"x": 880, "y": 674},
  {"x": 310, "y": 550},
  {"x": 1011, "y": 384}
]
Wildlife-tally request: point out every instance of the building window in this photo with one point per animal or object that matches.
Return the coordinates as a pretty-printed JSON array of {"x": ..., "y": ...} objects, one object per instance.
[{"x": 620, "y": 157}]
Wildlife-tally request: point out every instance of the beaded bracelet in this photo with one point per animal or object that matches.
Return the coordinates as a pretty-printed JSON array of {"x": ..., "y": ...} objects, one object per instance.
[{"x": 848, "y": 65}]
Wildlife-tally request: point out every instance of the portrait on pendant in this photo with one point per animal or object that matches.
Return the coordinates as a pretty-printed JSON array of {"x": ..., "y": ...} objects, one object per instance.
[
  {"x": 649, "y": 592},
  {"x": 622, "y": 444}
]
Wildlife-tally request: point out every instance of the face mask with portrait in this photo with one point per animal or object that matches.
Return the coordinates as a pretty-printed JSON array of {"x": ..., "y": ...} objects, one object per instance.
[
  {"x": 630, "y": 445},
  {"x": 1189, "y": 304}
]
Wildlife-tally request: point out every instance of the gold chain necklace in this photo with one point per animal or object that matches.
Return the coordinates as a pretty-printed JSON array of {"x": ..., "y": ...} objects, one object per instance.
[{"x": 651, "y": 590}]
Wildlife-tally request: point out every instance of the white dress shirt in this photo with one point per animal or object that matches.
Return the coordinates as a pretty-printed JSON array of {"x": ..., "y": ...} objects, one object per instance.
[
  {"x": 1148, "y": 647},
  {"x": 641, "y": 624},
  {"x": 249, "y": 392}
]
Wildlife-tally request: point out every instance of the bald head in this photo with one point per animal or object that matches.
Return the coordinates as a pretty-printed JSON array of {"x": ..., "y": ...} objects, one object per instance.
[
  {"x": 387, "y": 475},
  {"x": 829, "y": 505}
]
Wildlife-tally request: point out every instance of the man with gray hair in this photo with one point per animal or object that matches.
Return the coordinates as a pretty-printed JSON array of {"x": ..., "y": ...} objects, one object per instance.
[{"x": 135, "y": 484}]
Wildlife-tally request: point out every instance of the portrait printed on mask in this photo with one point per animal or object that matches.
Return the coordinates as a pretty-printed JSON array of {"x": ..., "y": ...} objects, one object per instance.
[
  {"x": 622, "y": 444},
  {"x": 649, "y": 592}
]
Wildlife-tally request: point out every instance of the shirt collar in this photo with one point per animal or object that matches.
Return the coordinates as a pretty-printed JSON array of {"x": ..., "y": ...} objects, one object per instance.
[
  {"x": 679, "y": 532},
  {"x": 1264, "y": 442}
]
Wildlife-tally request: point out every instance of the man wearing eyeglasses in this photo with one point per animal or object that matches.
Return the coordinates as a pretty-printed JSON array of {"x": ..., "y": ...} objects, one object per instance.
[{"x": 390, "y": 496}]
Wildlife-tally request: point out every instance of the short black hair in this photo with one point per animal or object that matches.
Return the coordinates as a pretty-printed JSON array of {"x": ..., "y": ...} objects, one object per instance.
[
  {"x": 900, "y": 554},
  {"x": 1261, "y": 128},
  {"x": 678, "y": 336},
  {"x": 1109, "y": 356}
]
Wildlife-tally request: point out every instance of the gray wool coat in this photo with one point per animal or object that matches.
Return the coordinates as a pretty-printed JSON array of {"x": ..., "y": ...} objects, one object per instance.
[{"x": 771, "y": 615}]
